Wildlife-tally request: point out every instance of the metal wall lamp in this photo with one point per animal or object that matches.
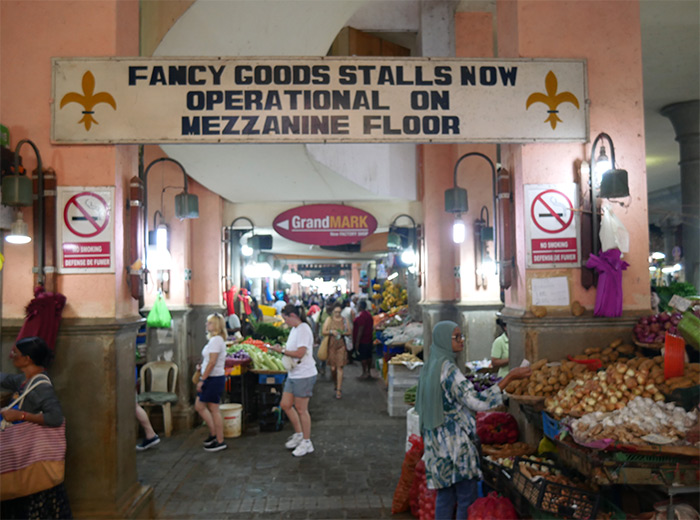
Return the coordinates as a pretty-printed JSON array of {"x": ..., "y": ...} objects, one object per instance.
[
  {"x": 456, "y": 199},
  {"x": 186, "y": 204},
  {"x": 395, "y": 239},
  {"x": 483, "y": 233},
  {"x": 613, "y": 182},
  {"x": 230, "y": 234},
  {"x": 19, "y": 193}
]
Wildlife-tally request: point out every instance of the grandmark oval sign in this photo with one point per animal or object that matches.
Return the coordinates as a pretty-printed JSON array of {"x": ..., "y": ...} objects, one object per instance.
[{"x": 325, "y": 224}]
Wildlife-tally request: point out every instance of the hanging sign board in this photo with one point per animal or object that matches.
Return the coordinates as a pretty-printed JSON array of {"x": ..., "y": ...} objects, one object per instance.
[
  {"x": 325, "y": 224},
  {"x": 552, "y": 225},
  {"x": 317, "y": 100},
  {"x": 86, "y": 231}
]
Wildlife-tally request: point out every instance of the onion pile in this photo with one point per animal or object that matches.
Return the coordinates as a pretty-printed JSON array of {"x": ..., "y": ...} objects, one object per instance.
[{"x": 653, "y": 329}]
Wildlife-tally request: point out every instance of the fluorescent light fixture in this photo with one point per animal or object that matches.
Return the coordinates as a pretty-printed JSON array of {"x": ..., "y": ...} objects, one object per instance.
[
  {"x": 291, "y": 278},
  {"x": 307, "y": 282},
  {"x": 276, "y": 274},
  {"x": 459, "y": 230},
  {"x": 652, "y": 268},
  {"x": 257, "y": 270},
  {"x": 392, "y": 275},
  {"x": 657, "y": 255},
  {"x": 671, "y": 269}
]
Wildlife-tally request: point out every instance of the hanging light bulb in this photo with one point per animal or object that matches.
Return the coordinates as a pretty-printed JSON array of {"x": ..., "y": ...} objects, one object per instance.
[
  {"x": 246, "y": 250},
  {"x": 459, "y": 230},
  {"x": 19, "y": 233},
  {"x": 602, "y": 164}
]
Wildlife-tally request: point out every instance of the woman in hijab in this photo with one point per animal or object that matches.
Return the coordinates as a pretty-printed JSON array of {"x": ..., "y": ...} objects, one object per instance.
[{"x": 444, "y": 401}]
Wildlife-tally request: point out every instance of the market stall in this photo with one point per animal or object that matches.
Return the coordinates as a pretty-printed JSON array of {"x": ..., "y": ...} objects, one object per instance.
[{"x": 604, "y": 434}]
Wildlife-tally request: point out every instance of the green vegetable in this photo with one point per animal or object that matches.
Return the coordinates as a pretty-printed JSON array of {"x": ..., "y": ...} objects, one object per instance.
[
  {"x": 689, "y": 328},
  {"x": 269, "y": 332},
  {"x": 666, "y": 292},
  {"x": 410, "y": 395}
]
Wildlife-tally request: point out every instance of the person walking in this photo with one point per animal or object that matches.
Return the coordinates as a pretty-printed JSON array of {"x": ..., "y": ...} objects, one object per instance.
[
  {"x": 211, "y": 383},
  {"x": 362, "y": 335},
  {"x": 301, "y": 378},
  {"x": 444, "y": 400},
  {"x": 336, "y": 330}
]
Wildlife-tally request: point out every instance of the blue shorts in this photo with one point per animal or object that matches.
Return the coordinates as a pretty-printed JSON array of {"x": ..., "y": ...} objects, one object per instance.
[
  {"x": 212, "y": 388},
  {"x": 301, "y": 387}
]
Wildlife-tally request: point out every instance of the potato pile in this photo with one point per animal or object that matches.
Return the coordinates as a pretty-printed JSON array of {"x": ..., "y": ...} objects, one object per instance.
[
  {"x": 607, "y": 390},
  {"x": 616, "y": 350},
  {"x": 546, "y": 380}
]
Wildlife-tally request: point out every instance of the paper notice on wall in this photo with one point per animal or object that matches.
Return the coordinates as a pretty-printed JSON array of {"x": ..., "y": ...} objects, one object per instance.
[{"x": 550, "y": 292}]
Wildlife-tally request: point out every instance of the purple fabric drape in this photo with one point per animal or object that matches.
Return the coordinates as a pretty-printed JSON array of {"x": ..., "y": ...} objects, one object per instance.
[
  {"x": 608, "y": 298},
  {"x": 43, "y": 316}
]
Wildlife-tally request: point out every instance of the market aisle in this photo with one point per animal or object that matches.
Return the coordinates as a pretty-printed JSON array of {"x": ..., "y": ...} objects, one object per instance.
[{"x": 352, "y": 473}]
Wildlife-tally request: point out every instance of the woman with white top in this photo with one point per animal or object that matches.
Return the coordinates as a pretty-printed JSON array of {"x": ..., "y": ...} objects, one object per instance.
[
  {"x": 211, "y": 383},
  {"x": 301, "y": 378}
]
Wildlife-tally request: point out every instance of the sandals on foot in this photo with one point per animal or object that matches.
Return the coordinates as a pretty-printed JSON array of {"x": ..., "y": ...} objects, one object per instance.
[{"x": 338, "y": 394}]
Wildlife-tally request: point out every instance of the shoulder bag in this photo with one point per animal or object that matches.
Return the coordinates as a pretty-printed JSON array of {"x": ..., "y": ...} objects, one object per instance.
[
  {"x": 32, "y": 457},
  {"x": 322, "y": 353}
]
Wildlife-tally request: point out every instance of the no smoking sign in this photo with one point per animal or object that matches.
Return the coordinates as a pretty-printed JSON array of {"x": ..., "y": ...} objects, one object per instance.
[
  {"x": 87, "y": 229},
  {"x": 552, "y": 225}
]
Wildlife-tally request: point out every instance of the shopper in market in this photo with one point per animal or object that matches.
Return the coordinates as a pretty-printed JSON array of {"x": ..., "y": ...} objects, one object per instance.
[
  {"x": 335, "y": 327},
  {"x": 362, "y": 334},
  {"x": 36, "y": 433},
  {"x": 301, "y": 378},
  {"x": 211, "y": 383},
  {"x": 500, "y": 351},
  {"x": 444, "y": 401}
]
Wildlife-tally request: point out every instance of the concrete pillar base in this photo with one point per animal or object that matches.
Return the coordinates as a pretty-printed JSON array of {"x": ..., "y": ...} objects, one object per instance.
[
  {"x": 555, "y": 337},
  {"x": 93, "y": 374}
]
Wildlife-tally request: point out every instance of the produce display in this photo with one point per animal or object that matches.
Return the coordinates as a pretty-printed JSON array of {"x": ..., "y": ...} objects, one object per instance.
[
  {"x": 409, "y": 396},
  {"x": 653, "y": 328},
  {"x": 505, "y": 456},
  {"x": 496, "y": 428},
  {"x": 549, "y": 490},
  {"x": 549, "y": 378},
  {"x": 482, "y": 380},
  {"x": 607, "y": 390},
  {"x": 640, "y": 418},
  {"x": 406, "y": 357},
  {"x": 261, "y": 359},
  {"x": 391, "y": 297},
  {"x": 270, "y": 332}
]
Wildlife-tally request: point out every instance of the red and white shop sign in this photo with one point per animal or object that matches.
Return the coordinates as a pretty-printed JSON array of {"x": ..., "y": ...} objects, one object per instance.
[
  {"x": 325, "y": 224},
  {"x": 552, "y": 225},
  {"x": 86, "y": 229}
]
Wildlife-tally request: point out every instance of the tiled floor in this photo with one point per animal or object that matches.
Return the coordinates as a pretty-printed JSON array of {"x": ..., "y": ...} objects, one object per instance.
[{"x": 352, "y": 473}]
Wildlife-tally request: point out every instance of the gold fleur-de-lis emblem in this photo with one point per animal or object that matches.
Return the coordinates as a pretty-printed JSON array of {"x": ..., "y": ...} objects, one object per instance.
[
  {"x": 552, "y": 99},
  {"x": 88, "y": 99}
]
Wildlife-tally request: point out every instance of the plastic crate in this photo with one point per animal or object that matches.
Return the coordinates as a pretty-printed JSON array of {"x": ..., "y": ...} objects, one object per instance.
[
  {"x": 271, "y": 379},
  {"x": 553, "y": 498},
  {"x": 580, "y": 459},
  {"x": 550, "y": 426},
  {"x": 495, "y": 475}
]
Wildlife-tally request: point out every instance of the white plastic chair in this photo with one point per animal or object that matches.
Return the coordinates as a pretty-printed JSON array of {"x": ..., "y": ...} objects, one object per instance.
[{"x": 158, "y": 381}]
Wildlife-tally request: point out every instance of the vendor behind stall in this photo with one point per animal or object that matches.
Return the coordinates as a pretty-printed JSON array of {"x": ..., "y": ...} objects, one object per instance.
[{"x": 500, "y": 351}]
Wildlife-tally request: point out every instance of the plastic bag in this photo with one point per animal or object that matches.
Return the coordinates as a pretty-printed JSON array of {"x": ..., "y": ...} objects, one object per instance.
[
  {"x": 492, "y": 507},
  {"x": 402, "y": 494},
  {"x": 613, "y": 234},
  {"x": 159, "y": 315}
]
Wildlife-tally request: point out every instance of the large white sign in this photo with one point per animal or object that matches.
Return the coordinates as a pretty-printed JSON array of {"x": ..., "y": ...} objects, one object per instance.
[
  {"x": 86, "y": 230},
  {"x": 552, "y": 225},
  {"x": 273, "y": 100}
]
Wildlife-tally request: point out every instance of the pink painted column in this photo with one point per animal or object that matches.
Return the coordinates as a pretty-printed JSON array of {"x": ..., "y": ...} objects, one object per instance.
[{"x": 609, "y": 38}]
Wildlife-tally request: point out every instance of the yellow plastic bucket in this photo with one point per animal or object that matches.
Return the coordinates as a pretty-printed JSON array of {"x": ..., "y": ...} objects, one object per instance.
[{"x": 231, "y": 415}]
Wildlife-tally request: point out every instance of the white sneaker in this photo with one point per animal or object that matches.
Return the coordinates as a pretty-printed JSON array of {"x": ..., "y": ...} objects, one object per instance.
[
  {"x": 304, "y": 448},
  {"x": 294, "y": 441}
]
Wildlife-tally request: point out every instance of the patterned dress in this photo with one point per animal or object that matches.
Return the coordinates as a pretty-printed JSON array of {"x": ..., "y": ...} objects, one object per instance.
[
  {"x": 450, "y": 455},
  {"x": 337, "y": 353}
]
